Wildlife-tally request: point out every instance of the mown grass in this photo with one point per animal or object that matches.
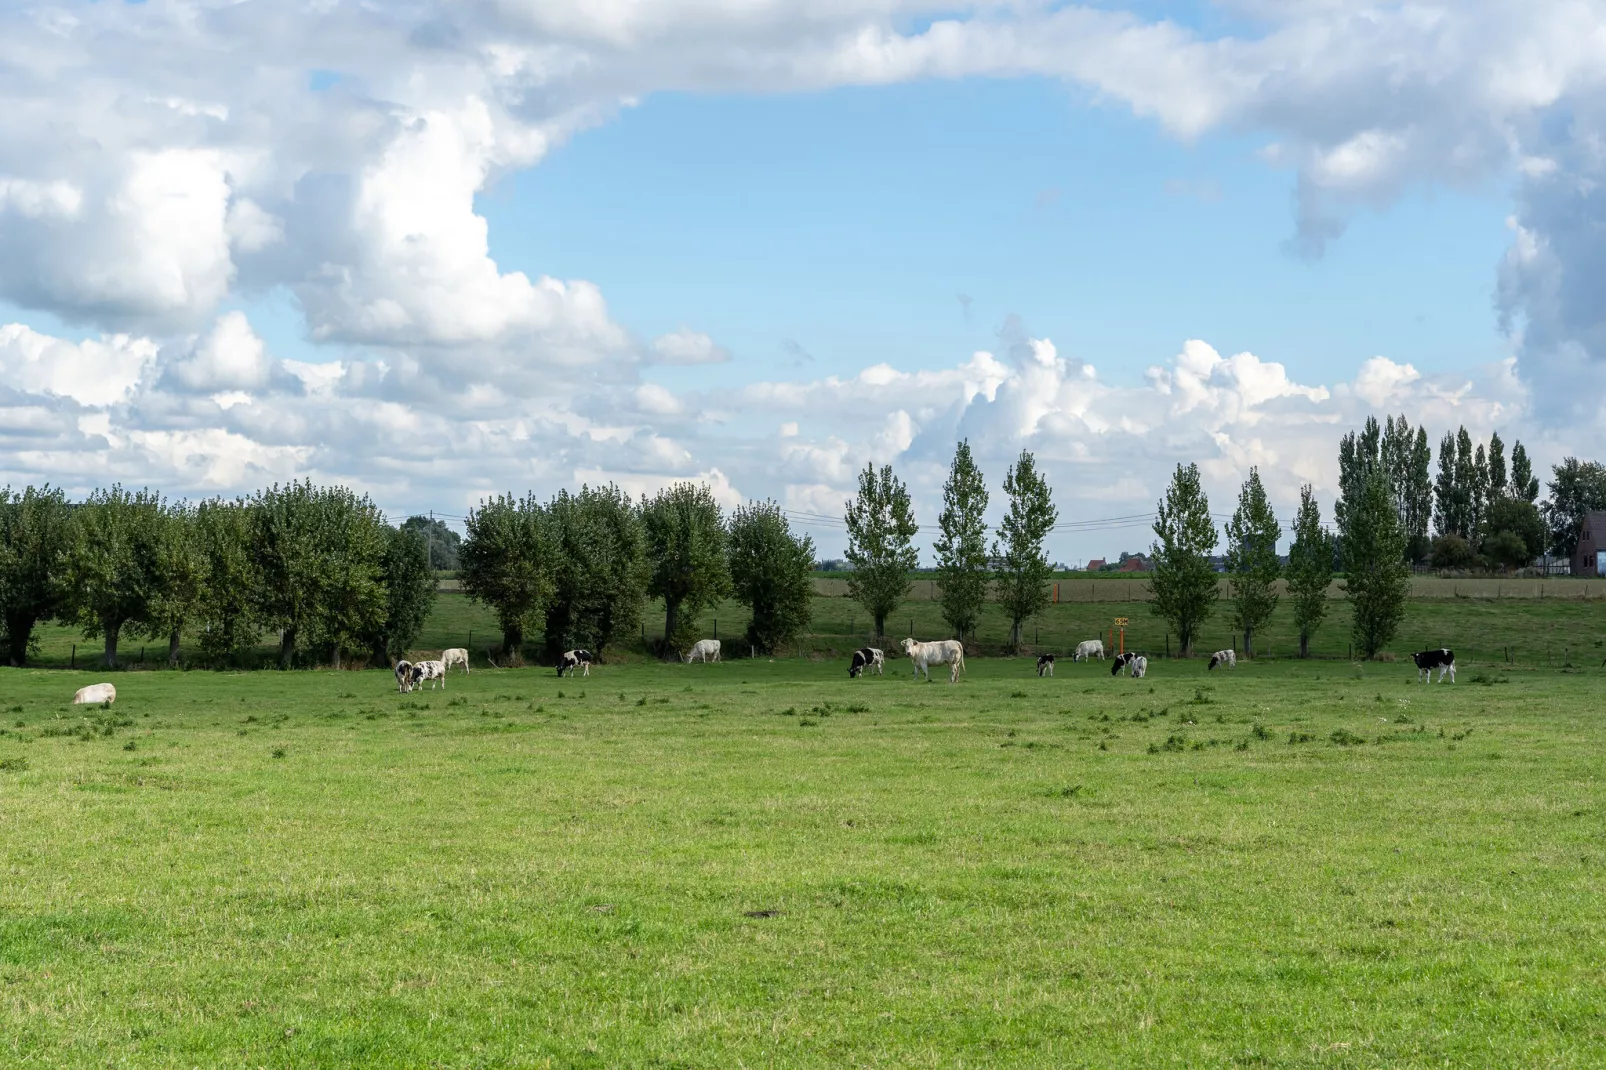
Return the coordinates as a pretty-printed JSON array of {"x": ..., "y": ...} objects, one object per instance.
[{"x": 764, "y": 863}]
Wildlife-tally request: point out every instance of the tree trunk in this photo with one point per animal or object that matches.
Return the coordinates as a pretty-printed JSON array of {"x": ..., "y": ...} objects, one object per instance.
[
  {"x": 1248, "y": 639},
  {"x": 172, "y": 649},
  {"x": 1014, "y": 635},
  {"x": 378, "y": 654},
  {"x": 20, "y": 630},
  {"x": 109, "y": 658},
  {"x": 287, "y": 648},
  {"x": 512, "y": 638},
  {"x": 671, "y": 622},
  {"x": 1304, "y": 644},
  {"x": 881, "y": 625},
  {"x": 1185, "y": 642}
]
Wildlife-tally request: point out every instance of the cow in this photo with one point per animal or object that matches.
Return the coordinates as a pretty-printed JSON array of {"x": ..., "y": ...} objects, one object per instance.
[
  {"x": 943, "y": 652},
  {"x": 1088, "y": 650},
  {"x": 1140, "y": 666},
  {"x": 575, "y": 659},
  {"x": 1442, "y": 659},
  {"x": 704, "y": 650},
  {"x": 455, "y": 656},
  {"x": 1045, "y": 665},
  {"x": 431, "y": 671},
  {"x": 1130, "y": 662},
  {"x": 866, "y": 659},
  {"x": 95, "y": 695},
  {"x": 404, "y": 676},
  {"x": 1229, "y": 658}
]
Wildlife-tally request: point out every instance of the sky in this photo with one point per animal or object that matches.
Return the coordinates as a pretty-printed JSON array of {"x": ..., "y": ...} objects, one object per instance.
[{"x": 438, "y": 251}]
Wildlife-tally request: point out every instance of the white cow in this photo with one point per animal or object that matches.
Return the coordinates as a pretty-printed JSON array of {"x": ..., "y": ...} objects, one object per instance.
[
  {"x": 943, "y": 652},
  {"x": 1229, "y": 658},
  {"x": 431, "y": 671},
  {"x": 1088, "y": 650},
  {"x": 704, "y": 650},
  {"x": 94, "y": 695},
  {"x": 455, "y": 656},
  {"x": 1140, "y": 666}
]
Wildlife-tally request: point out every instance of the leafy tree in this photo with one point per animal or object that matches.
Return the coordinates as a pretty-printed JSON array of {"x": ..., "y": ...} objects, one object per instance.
[
  {"x": 1516, "y": 532},
  {"x": 770, "y": 570},
  {"x": 685, "y": 557},
  {"x": 1577, "y": 488},
  {"x": 1025, "y": 571},
  {"x": 409, "y": 593},
  {"x": 34, "y": 533},
  {"x": 1495, "y": 470},
  {"x": 1252, "y": 560},
  {"x": 1184, "y": 584},
  {"x": 1419, "y": 497},
  {"x": 961, "y": 548},
  {"x": 113, "y": 568},
  {"x": 442, "y": 542},
  {"x": 1452, "y": 551},
  {"x": 1377, "y": 578},
  {"x": 181, "y": 578},
  {"x": 1478, "y": 494},
  {"x": 881, "y": 529},
  {"x": 1310, "y": 568},
  {"x": 321, "y": 554},
  {"x": 1447, "y": 512},
  {"x": 1358, "y": 457},
  {"x": 507, "y": 563},
  {"x": 1524, "y": 484},
  {"x": 232, "y": 577},
  {"x": 602, "y": 579}
]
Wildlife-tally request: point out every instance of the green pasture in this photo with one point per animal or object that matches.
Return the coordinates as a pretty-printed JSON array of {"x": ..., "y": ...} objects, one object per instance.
[{"x": 762, "y": 863}]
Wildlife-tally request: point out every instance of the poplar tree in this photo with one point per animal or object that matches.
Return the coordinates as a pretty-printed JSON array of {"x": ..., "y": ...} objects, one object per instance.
[
  {"x": 1024, "y": 571},
  {"x": 1377, "y": 579},
  {"x": 961, "y": 548},
  {"x": 1252, "y": 563},
  {"x": 1184, "y": 584},
  {"x": 881, "y": 530},
  {"x": 1310, "y": 568},
  {"x": 1524, "y": 484}
]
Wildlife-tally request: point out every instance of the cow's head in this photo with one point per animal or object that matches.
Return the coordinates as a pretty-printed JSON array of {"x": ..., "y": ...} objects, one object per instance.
[{"x": 908, "y": 645}]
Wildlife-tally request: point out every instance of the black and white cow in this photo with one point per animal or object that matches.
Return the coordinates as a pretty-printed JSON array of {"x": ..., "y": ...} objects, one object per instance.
[
  {"x": 1120, "y": 661},
  {"x": 575, "y": 659},
  {"x": 404, "y": 676},
  {"x": 1229, "y": 658},
  {"x": 1442, "y": 659},
  {"x": 1045, "y": 665},
  {"x": 866, "y": 659}
]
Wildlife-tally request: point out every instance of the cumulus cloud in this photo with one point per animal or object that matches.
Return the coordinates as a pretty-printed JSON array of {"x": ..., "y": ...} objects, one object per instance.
[{"x": 686, "y": 346}]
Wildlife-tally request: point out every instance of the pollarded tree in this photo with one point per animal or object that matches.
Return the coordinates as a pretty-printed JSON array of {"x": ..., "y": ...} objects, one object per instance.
[
  {"x": 507, "y": 563},
  {"x": 1184, "y": 583},
  {"x": 881, "y": 530},
  {"x": 181, "y": 579},
  {"x": 1252, "y": 562},
  {"x": 34, "y": 530},
  {"x": 600, "y": 586},
  {"x": 232, "y": 576},
  {"x": 1377, "y": 579},
  {"x": 409, "y": 593},
  {"x": 685, "y": 557},
  {"x": 961, "y": 548},
  {"x": 113, "y": 566},
  {"x": 1310, "y": 568},
  {"x": 1024, "y": 571},
  {"x": 771, "y": 572}
]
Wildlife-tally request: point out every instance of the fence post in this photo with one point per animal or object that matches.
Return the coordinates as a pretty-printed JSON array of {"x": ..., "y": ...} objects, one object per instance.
[
  {"x": 73, "y": 664},
  {"x": 716, "y": 627}
]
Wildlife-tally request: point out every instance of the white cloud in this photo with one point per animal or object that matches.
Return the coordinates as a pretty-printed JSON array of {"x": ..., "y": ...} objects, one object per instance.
[
  {"x": 231, "y": 357},
  {"x": 95, "y": 372},
  {"x": 686, "y": 346}
]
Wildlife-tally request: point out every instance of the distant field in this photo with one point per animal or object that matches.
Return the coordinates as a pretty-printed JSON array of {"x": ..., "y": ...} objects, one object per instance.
[{"x": 762, "y": 864}]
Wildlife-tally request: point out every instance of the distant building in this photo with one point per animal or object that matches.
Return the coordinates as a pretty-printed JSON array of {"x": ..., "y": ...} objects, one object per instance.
[
  {"x": 1095, "y": 564},
  {"x": 835, "y": 564},
  {"x": 1591, "y": 541},
  {"x": 1135, "y": 563}
]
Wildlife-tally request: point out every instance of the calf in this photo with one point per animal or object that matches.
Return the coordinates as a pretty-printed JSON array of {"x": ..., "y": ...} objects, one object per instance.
[
  {"x": 1229, "y": 658},
  {"x": 1442, "y": 659},
  {"x": 404, "y": 676},
  {"x": 866, "y": 659},
  {"x": 575, "y": 659},
  {"x": 1089, "y": 649},
  {"x": 431, "y": 671},
  {"x": 1045, "y": 665},
  {"x": 942, "y": 652},
  {"x": 704, "y": 650},
  {"x": 94, "y": 695},
  {"x": 455, "y": 656}
]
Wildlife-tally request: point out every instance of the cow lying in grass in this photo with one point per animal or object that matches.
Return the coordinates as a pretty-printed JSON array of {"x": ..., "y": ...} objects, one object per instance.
[
  {"x": 1229, "y": 658},
  {"x": 1045, "y": 665},
  {"x": 867, "y": 659},
  {"x": 942, "y": 652},
  {"x": 575, "y": 659},
  {"x": 1442, "y": 659},
  {"x": 95, "y": 695}
]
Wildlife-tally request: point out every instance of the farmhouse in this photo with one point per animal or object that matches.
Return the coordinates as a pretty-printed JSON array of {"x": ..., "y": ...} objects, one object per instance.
[{"x": 1586, "y": 558}]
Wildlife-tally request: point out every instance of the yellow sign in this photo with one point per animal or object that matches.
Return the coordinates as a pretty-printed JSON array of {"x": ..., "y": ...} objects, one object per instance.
[{"x": 1120, "y": 622}]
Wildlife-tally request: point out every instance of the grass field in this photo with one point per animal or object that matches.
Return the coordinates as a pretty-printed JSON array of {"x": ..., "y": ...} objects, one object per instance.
[{"x": 763, "y": 863}]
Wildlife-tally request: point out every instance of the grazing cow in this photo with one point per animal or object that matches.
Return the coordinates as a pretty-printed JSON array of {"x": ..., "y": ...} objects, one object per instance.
[
  {"x": 1229, "y": 658},
  {"x": 404, "y": 676},
  {"x": 943, "y": 652},
  {"x": 431, "y": 671},
  {"x": 575, "y": 659},
  {"x": 704, "y": 650},
  {"x": 94, "y": 695},
  {"x": 867, "y": 659},
  {"x": 455, "y": 656},
  {"x": 1045, "y": 665},
  {"x": 1442, "y": 659},
  {"x": 1089, "y": 649},
  {"x": 1140, "y": 666},
  {"x": 1130, "y": 662}
]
